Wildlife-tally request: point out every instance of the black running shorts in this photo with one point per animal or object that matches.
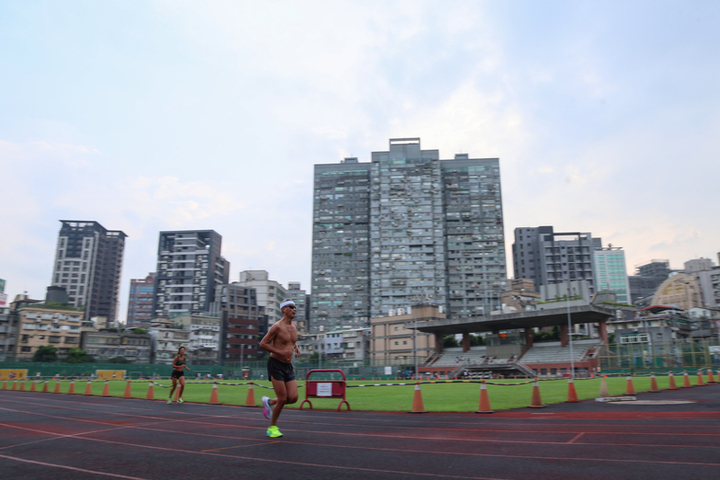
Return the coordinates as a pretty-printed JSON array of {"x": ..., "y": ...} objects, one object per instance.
[
  {"x": 280, "y": 370},
  {"x": 178, "y": 374}
]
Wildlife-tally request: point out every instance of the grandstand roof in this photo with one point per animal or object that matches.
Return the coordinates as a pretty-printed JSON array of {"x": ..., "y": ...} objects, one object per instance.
[{"x": 527, "y": 319}]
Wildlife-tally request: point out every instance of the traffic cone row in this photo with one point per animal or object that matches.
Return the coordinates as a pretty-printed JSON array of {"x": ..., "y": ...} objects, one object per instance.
[
  {"x": 629, "y": 388},
  {"x": 572, "y": 394},
  {"x": 653, "y": 384},
  {"x": 214, "y": 400},
  {"x": 417, "y": 405},
  {"x": 250, "y": 399},
  {"x": 484, "y": 406}
]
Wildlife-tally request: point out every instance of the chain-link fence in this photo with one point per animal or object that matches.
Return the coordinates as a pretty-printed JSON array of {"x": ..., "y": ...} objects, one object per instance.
[{"x": 645, "y": 357}]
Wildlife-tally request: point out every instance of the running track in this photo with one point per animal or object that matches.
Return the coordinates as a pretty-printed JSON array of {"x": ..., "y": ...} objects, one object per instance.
[{"x": 48, "y": 436}]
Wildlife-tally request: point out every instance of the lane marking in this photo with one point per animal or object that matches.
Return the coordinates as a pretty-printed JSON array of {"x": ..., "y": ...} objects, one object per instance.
[
  {"x": 240, "y": 446},
  {"x": 75, "y": 469},
  {"x": 480, "y": 425},
  {"x": 576, "y": 437}
]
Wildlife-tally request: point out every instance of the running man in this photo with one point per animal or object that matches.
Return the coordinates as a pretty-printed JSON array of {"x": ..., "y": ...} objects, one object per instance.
[
  {"x": 281, "y": 342},
  {"x": 178, "y": 374}
]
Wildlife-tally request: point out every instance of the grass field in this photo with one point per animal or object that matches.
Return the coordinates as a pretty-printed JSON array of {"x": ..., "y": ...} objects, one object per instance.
[{"x": 437, "y": 397}]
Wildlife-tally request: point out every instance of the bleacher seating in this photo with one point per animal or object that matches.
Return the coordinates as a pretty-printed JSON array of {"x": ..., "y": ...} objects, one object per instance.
[{"x": 553, "y": 352}]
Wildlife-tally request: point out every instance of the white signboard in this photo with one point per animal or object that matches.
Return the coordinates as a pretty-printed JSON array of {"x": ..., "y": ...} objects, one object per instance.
[
  {"x": 324, "y": 389},
  {"x": 388, "y": 370}
]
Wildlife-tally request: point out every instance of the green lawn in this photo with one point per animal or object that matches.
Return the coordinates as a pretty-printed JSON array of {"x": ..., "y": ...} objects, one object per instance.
[{"x": 437, "y": 397}]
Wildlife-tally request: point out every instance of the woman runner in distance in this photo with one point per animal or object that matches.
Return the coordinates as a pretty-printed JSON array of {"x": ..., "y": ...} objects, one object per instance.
[{"x": 178, "y": 374}]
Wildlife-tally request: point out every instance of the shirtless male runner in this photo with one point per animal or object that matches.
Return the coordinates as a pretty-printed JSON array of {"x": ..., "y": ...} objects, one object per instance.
[{"x": 281, "y": 342}]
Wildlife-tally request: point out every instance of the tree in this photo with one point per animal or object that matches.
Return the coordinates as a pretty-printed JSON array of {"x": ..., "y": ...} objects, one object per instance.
[
  {"x": 76, "y": 355},
  {"x": 140, "y": 330},
  {"x": 119, "y": 360},
  {"x": 476, "y": 340},
  {"x": 450, "y": 341},
  {"x": 45, "y": 353}
]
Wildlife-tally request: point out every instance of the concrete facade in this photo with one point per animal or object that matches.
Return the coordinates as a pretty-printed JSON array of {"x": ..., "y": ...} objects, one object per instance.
[
  {"x": 392, "y": 339},
  {"x": 88, "y": 264},
  {"x": 190, "y": 267},
  {"x": 269, "y": 293},
  {"x": 548, "y": 257},
  {"x": 40, "y": 326},
  {"x": 407, "y": 224},
  {"x": 140, "y": 300}
]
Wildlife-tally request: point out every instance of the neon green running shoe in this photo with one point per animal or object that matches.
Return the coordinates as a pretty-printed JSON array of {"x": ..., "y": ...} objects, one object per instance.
[
  {"x": 273, "y": 432},
  {"x": 180, "y": 400},
  {"x": 169, "y": 400}
]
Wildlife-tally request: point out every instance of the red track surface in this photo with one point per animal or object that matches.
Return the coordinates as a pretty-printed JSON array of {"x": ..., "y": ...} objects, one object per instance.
[{"x": 60, "y": 436}]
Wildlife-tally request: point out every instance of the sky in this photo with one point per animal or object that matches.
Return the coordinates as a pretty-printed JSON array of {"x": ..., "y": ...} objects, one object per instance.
[{"x": 190, "y": 115}]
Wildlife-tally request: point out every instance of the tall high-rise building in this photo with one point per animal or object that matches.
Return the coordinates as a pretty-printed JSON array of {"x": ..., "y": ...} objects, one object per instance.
[
  {"x": 189, "y": 269},
  {"x": 403, "y": 227},
  {"x": 548, "y": 257},
  {"x": 88, "y": 264},
  {"x": 140, "y": 301},
  {"x": 611, "y": 272}
]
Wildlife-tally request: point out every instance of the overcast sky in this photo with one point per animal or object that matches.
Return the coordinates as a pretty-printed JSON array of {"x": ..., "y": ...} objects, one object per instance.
[{"x": 173, "y": 115}]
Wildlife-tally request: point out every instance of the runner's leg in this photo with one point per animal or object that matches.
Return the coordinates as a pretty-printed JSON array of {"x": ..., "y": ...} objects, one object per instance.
[
  {"x": 182, "y": 386},
  {"x": 280, "y": 401},
  {"x": 292, "y": 392}
]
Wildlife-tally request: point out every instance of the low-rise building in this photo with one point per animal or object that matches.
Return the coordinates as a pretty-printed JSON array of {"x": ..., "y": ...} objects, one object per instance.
[
  {"x": 393, "y": 342},
  {"x": 112, "y": 343},
  {"x": 40, "y": 325},
  {"x": 9, "y": 320},
  {"x": 167, "y": 338}
]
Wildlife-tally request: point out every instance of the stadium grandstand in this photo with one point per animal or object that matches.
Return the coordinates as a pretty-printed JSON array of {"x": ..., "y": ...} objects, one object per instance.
[{"x": 509, "y": 349}]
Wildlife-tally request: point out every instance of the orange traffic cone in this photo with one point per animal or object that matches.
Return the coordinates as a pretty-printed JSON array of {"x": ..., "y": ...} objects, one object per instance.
[
  {"x": 22, "y": 386},
  {"x": 14, "y": 386},
  {"x": 106, "y": 389},
  {"x": 629, "y": 388},
  {"x": 484, "y": 406},
  {"x": 572, "y": 394},
  {"x": 536, "y": 400},
  {"x": 671, "y": 380},
  {"x": 88, "y": 388},
  {"x": 32, "y": 387},
  {"x": 250, "y": 399},
  {"x": 45, "y": 387},
  {"x": 686, "y": 380},
  {"x": 653, "y": 384},
  {"x": 700, "y": 382},
  {"x": 128, "y": 391},
  {"x": 711, "y": 379},
  {"x": 417, "y": 406},
  {"x": 150, "y": 395},
  {"x": 57, "y": 386},
  {"x": 603, "y": 387},
  {"x": 71, "y": 388},
  {"x": 4, "y": 387},
  {"x": 214, "y": 400}
]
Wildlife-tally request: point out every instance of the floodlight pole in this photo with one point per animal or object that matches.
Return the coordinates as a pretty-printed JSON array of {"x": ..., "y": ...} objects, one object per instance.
[
  {"x": 415, "y": 349},
  {"x": 572, "y": 357}
]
